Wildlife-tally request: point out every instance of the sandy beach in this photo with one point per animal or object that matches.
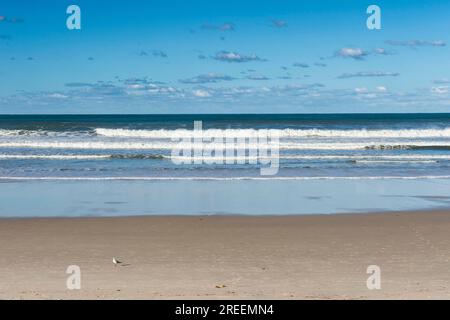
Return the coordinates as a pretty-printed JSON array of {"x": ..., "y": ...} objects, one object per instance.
[{"x": 228, "y": 257}]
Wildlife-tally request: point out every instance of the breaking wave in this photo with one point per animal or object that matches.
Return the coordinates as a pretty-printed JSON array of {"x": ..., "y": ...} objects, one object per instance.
[
  {"x": 160, "y": 145},
  {"x": 294, "y": 133}
]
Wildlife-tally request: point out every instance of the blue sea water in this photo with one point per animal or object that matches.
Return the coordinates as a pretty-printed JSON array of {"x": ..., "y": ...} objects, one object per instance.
[{"x": 65, "y": 165}]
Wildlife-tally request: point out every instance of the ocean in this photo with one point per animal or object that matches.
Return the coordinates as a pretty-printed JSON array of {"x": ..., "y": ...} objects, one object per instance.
[{"x": 121, "y": 158}]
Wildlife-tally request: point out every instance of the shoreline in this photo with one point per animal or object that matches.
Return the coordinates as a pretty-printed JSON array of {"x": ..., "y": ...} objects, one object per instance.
[
  {"x": 232, "y": 215},
  {"x": 228, "y": 257}
]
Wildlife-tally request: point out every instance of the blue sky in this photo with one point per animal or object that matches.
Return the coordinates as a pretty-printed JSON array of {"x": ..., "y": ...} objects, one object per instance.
[{"x": 224, "y": 57}]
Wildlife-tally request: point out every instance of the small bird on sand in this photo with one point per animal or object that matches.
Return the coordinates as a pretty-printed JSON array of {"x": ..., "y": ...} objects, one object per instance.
[{"x": 115, "y": 261}]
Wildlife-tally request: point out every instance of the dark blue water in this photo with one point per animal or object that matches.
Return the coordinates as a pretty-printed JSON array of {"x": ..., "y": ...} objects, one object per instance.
[{"x": 85, "y": 122}]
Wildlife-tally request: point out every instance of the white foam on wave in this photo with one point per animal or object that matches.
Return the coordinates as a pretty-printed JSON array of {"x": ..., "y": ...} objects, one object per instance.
[
  {"x": 53, "y": 157},
  {"x": 41, "y": 133},
  {"x": 374, "y": 159},
  {"x": 396, "y": 161},
  {"x": 345, "y": 157},
  {"x": 234, "y": 133},
  {"x": 209, "y": 133},
  {"x": 356, "y": 158},
  {"x": 135, "y": 145}
]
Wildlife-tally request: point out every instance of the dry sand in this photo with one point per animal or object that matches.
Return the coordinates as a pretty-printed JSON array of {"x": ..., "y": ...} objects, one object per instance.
[{"x": 229, "y": 257}]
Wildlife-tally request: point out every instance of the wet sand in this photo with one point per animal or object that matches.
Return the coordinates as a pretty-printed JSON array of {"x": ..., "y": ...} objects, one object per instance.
[{"x": 228, "y": 257}]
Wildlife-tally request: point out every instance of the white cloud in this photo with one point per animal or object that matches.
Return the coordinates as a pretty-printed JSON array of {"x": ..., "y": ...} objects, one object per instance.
[
  {"x": 361, "y": 90},
  {"x": 354, "y": 53},
  {"x": 441, "y": 89},
  {"x": 382, "y": 51},
  {"x": 200, "y": 93},
  {"x": 136, "y": 86},
  {"x": 57, "y": 96},
  {"x": 229, "y": 56}
]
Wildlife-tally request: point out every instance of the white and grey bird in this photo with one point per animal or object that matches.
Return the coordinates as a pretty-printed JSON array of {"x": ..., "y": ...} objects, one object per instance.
[{"x": 115, "y": 261}]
